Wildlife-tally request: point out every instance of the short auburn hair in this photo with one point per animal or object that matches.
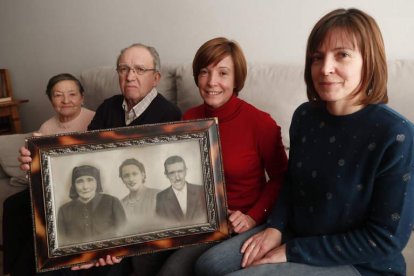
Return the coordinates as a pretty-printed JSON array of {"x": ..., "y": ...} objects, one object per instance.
[
  {"x": 213, "y": 51},
  {"x": 364, "y": 31}
]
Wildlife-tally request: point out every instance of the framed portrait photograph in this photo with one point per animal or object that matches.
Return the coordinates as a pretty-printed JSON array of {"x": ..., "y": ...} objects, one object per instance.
[{"x": 126, "y": 191}]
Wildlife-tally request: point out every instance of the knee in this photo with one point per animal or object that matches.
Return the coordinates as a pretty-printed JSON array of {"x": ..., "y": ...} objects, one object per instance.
[
  {"x": 200, "y": 266},
  {"x": 206, "y": 265}
]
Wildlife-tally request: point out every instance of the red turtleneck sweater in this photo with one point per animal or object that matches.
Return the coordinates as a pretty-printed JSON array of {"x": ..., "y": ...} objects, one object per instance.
[{"x": 251, "y": 145}]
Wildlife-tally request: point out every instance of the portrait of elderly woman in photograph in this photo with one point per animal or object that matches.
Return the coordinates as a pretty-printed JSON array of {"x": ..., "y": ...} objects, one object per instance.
[{"x": 90, "y": 215}]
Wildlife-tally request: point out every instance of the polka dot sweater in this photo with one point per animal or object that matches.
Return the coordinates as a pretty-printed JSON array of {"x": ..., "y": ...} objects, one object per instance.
[{"x": 349, "y": 197}]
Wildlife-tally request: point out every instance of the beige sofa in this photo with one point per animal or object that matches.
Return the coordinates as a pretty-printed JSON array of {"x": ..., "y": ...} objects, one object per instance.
[{"x": 275, "y": 88}]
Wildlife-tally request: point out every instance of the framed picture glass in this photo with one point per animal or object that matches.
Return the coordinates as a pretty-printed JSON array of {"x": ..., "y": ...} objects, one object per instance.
[{"x": 126, "y": 191}]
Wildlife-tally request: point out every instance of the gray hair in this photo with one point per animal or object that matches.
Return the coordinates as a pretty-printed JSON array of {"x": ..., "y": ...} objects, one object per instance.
[{"x": 152, "y": 50}]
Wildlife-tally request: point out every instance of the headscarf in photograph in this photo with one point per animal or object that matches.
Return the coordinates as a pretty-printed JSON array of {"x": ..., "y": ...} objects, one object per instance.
[{"x": 82, "y": 171}]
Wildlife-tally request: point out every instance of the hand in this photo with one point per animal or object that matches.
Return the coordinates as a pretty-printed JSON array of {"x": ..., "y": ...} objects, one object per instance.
[
  {"x": 24, "y": 159},
  {"x": 110, "y": 260},
  {"x": 257, "y": 246},
  {"x": 240, "y": 222},
  {"x": 277, "y": 255}
]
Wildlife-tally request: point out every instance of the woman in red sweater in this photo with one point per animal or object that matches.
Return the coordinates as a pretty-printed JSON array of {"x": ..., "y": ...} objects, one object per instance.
[{"x": 250, "y": 139}]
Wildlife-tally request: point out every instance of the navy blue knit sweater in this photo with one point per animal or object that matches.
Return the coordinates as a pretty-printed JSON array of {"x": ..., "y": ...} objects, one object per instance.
[
  {"x": 110, "y": 113},
  {"x": 349, "y": 194}
]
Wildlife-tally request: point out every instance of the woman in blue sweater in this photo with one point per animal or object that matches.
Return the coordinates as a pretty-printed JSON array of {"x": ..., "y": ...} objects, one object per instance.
[{"x": 347, "y": 205}]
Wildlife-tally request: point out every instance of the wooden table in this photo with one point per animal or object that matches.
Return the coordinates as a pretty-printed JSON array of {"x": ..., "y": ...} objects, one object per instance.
[{"x": 10, "y": 111}]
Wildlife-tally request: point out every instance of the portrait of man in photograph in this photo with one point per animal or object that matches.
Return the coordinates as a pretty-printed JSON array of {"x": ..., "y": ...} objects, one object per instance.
[{"x": 182, "y": 201}]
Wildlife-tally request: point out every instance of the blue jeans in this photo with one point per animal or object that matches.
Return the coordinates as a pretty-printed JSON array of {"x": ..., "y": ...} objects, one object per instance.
[
  {"x": 295, "y": 269},
  {"x": 225, "y": 259}
]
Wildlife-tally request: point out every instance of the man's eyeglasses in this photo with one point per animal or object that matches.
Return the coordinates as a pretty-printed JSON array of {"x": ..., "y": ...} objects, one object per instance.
[{"x": 123, "y": 70}]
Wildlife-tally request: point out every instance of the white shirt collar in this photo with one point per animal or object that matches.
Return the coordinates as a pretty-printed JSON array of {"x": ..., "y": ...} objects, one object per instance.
[{"x": 139, "y": 108}]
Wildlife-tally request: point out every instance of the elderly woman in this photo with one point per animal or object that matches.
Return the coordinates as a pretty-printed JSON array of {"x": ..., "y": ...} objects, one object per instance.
[
  {"x": 91, "y": 214},
  {"x": 250, "y": 141},
  {"x": 65, "y": 92},
  {"x": 66, "y": 95},
  {"x": 347, "y": 207}
]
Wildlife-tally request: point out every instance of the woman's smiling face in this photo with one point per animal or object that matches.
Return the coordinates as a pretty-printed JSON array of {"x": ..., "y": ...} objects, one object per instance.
[
  {"x": 132, "y": 177},
  {"x": 216, "y": 82}
]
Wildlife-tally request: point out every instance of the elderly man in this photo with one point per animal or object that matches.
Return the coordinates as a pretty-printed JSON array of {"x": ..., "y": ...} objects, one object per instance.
[{"x": 138, "y": 68}]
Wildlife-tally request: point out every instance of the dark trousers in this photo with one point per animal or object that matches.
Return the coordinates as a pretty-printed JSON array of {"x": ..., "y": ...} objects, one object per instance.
[{"x": 18, "y": 235}]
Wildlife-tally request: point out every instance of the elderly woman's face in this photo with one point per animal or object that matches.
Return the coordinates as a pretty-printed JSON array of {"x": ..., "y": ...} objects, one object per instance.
[
  {"x": 67, "y": 99},
  {"x": 132, "y": 177},
  {"x": 86, "y": 187},
  {"x": 216, "y": 82}
]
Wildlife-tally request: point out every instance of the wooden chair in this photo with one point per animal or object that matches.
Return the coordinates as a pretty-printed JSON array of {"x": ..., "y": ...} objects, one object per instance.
[{"x": 9, "y": 106}]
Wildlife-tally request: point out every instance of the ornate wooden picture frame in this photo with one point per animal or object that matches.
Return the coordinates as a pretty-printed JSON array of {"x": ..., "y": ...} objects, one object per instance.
[{"x": 76, "y": 224}]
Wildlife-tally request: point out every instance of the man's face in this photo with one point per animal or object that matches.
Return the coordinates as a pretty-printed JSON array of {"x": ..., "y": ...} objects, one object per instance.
[
  {"x": 176, "y": 173},
  {"x": 135, "y": 87}
]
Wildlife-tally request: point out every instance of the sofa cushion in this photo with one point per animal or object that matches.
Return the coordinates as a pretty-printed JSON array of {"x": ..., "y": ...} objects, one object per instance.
[
  {"x": 101, "y": 83},
  {"x": 276, "y": 89},
  {"x": 9, "y": 148},
  {"x": 187, "y": 91},
  {"x": 400, "y": 87}
]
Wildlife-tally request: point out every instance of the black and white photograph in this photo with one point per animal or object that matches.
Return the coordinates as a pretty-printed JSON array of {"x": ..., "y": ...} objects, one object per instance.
[
  {"x": 126, "y": 191},
  {"x": 140, "y": 184}
]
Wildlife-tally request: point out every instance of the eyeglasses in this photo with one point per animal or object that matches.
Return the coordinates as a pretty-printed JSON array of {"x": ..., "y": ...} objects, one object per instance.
[{"x": 123, "y": 70}]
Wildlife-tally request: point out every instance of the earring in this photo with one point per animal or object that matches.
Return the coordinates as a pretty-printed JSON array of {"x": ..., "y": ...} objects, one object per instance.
[{"x": 369, "y": 92}]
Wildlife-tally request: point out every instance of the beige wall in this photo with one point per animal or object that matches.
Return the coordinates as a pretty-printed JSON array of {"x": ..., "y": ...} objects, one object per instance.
[{"x": 40, "y": 38}]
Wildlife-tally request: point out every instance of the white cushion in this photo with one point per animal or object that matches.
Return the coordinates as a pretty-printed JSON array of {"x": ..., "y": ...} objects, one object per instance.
[
  {"x": 276, "y": 89},
  {"x": 187, "y": 91},
  {"x": 99, "y": 83},
  {"x": 9, "y": 148},
  {"x": 400, "y": 87}
]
